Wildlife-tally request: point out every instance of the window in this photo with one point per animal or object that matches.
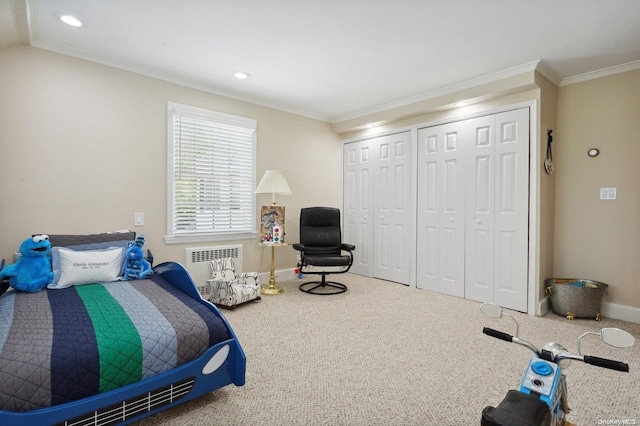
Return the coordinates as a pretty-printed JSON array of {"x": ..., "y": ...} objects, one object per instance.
[{"x": 211, "y": 175}]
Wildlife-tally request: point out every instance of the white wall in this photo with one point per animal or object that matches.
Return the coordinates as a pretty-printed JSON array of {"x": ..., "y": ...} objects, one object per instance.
[
  {"x": 84, "y": 147},
  {"x": 597, "y": 239}
]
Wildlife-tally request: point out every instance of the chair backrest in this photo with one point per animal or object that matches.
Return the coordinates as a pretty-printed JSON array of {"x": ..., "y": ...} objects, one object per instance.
[
  {"x": 320, "y": 230},
  {"x": 222, "y": 269}
]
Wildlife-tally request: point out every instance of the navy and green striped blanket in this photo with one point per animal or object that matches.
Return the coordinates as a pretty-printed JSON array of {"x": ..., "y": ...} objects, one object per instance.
[{"x": 58, "y": 346}]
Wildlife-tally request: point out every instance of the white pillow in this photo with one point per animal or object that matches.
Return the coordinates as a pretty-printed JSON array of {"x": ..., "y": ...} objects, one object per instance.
[{"x": 72, "y": 267}]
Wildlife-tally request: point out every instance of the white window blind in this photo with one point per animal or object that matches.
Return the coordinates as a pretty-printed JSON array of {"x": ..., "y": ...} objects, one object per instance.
[{"x": 212, "y": 176}]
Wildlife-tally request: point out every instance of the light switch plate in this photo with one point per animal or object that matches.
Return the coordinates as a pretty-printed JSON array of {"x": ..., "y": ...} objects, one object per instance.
[
  {"x": 138, "y": 219},
  {"x": 607, "y": 193}
]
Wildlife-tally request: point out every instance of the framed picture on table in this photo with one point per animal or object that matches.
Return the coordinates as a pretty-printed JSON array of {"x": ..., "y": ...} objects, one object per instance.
[{"x": 272, "y": 224}]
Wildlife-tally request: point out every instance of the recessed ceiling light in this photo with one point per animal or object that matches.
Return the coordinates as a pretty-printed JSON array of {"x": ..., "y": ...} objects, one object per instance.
[
  {"x": 241, "y": 75},
  {"x": 71, "y": 20}
]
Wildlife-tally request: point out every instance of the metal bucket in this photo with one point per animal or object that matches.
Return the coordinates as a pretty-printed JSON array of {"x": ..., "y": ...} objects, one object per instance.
[{"x": 576, "y": 297}]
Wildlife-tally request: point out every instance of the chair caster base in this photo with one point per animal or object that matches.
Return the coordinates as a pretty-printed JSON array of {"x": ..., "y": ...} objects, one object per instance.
[{"x": 323, "y": 288}]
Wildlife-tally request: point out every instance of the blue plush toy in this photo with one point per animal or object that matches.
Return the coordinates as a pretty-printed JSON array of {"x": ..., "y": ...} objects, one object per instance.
[
  {"x": 32, "y": 272},
  {"x": 136, "y": 267}
]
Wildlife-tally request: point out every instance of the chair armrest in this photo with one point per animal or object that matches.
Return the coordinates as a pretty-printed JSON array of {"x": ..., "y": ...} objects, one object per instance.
[
  {"x": 149, "y": 257},
  {"x": 347, "y": 247},
  {"x": 220, "y": 284},
  {"x": 249, "y": 278},
  {"x": 298, "y": 246}
]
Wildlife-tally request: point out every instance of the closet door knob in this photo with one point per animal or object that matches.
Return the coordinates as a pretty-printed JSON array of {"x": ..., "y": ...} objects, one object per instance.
[
  {"x": 478, "y": 221},
  {"x": 451, "y": 220}
]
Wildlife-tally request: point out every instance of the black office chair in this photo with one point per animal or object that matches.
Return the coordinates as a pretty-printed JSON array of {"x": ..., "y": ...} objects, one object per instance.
[{"x": 321, "y": 247}]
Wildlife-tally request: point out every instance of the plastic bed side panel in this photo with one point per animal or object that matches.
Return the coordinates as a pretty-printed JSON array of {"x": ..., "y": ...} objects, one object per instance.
[{"x": 230, "y": 371}]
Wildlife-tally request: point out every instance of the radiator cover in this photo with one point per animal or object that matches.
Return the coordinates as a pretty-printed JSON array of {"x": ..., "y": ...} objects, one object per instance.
[{"x": 197, "y": 260}]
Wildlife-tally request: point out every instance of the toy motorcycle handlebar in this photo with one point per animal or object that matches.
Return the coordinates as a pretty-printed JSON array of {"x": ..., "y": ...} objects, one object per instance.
[
  {"x": 593, "y": 360},
  {"x": 509, "y": 338},
  {"x": 497, "y": 334},
  {"x": 606, "y": 363}
]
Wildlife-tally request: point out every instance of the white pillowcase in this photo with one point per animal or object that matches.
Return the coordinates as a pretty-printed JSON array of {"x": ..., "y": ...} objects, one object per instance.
[{"x": 72, "y": 267}]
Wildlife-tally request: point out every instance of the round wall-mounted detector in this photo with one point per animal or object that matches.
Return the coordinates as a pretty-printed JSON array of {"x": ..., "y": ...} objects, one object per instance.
[{"x": 593, "y": 152}]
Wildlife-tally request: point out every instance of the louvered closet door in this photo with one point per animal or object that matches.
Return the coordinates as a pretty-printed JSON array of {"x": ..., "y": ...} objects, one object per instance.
[
  {"x": 392, "y": 219},
  {"x": 358, "y": 205},
  {"x": 441, "y": 209}
]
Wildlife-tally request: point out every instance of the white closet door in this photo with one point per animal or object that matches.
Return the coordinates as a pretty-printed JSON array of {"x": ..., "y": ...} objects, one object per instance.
[
  {"x": 392, "y": 220},
  {"x": 472, "y": 219},
  {"x": 497, "y": 205},
  {"x": 358, "y": 204},
  {"x": 512, "y": 209},
  {"x": 480, "y": 216},
  {"x": 441, "y": 209}
]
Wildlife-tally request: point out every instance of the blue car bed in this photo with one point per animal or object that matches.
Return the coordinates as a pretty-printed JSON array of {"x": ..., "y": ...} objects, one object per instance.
[{"x": 111, "y": 352}]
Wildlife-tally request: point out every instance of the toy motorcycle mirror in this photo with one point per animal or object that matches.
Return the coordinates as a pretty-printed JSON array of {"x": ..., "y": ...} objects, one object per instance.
[
  {"x": 494, "y": 311},
  {"x": 611, "y": 336}
]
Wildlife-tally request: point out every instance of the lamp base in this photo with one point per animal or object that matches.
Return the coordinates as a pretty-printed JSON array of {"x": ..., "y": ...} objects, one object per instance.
[{"x": 271, "y": 290}]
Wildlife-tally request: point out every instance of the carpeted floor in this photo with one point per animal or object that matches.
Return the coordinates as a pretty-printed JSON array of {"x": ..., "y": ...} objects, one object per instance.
[{"x": 386, "y": 354}]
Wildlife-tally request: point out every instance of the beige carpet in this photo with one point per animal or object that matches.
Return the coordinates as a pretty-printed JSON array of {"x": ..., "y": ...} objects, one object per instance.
[{"x": 386, "y": 354}]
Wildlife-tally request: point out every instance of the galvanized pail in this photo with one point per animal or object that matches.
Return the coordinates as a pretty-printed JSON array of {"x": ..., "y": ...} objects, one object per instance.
[{"x": 576, "y": 297}]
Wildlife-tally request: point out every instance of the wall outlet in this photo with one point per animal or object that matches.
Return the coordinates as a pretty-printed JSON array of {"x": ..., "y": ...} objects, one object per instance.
[
  {"x": 607, "y": 193},
  {"x": 138, "y": 219}
]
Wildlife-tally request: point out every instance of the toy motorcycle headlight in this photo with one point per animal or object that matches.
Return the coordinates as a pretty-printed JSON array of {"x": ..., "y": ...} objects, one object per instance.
[{"x": 557, "y": 349}]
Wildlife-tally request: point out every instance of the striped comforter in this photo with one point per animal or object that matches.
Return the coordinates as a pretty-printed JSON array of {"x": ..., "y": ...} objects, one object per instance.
[{"x": 58, "y": 346}]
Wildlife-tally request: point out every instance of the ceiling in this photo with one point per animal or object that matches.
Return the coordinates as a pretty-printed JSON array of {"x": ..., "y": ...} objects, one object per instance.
[{"x": 333, "y": 59}]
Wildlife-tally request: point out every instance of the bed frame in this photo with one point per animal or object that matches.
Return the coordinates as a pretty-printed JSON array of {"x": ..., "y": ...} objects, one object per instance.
[{"x": 220, "y": 365}]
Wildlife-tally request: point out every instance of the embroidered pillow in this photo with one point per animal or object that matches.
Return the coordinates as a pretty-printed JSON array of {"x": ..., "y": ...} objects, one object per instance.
[{"x": 71, "y": 267}]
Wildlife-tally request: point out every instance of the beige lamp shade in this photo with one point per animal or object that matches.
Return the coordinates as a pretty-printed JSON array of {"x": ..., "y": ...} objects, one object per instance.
[{"x": 273, "y": 182}]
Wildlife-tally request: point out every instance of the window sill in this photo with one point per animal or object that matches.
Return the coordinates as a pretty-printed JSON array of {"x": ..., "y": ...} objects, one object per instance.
[{"x": 203, "y": 238}]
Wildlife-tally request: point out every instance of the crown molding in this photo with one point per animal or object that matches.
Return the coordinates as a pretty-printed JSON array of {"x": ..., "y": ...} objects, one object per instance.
[
  {"x": 605, "y": 72},
  {"x": 171, "y": 78},
  {"x": 490, "y": 78},
  {"x": 23, "y": 20},
  {"x": 548, "y": 72}
]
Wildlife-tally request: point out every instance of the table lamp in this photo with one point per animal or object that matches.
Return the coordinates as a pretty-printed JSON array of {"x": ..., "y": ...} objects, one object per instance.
[{"x": 272, "y": 221}]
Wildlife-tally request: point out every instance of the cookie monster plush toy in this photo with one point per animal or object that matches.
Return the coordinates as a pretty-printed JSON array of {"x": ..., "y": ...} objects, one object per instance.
[
  {"x": 32, "y": 272},
  {"x": 136, "y": 267}
]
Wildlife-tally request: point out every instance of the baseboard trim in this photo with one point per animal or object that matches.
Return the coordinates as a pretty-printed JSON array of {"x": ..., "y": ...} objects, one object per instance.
[
  {"x": 621, "y": 312},
  {"x": 544, "y": 306},
  {"x": 609, "y": 310},
  {"x": 280, "y": 275}
]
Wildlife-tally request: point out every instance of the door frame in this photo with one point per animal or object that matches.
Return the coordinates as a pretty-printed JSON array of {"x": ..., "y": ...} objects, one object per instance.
[{"x": 533, "y": 267}]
